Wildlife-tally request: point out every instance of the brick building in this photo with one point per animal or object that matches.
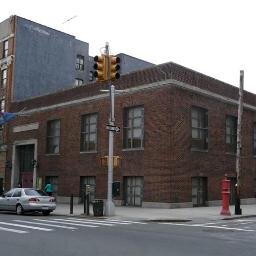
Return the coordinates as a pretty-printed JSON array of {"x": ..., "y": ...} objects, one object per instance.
[
  {"x": 36, "y": 60},
  {"x": 177, "y": 139}
]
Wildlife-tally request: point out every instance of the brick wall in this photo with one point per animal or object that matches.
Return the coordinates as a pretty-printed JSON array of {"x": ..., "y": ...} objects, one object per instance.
[{"x": 167, "y": 162}]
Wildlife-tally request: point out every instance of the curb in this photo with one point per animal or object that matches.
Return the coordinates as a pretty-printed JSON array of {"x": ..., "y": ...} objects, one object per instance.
[
  {"x": 239, "y": 217},
  {"x": 168, "y": 220}
]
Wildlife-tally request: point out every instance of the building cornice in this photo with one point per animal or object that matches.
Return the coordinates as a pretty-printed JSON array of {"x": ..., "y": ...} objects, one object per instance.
[{"x": 166, "y": 83}]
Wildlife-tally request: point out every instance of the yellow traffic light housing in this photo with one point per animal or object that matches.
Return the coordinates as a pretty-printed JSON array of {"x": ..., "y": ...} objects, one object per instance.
[
  {"x": 114, "y": 67},
  {"x": 100, "y": 67}
]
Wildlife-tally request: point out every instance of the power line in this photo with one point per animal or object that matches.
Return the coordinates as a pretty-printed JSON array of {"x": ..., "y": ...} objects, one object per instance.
[{"x": 69, "y": 19}]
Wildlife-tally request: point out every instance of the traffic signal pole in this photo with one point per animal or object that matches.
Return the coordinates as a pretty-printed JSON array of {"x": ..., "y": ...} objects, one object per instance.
[
  {"x": 110, "y": 207},
  {"x": 107, "y": 69}
]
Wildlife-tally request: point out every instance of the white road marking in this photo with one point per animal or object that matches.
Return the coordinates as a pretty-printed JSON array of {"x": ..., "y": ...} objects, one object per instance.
[
  {"x": 100, "y": 221},
  {"x": 127, "y": 221},
  {"x": 244, "y": 221},
  {"x": 45, "y": 224},
  {"x": 207, "y": 226},
  {"x": 92, "y": 222},
  {"x": 14, "y": 230},
  {"x": 73, "y": 224},
  {"x": 25, "y": 226}
]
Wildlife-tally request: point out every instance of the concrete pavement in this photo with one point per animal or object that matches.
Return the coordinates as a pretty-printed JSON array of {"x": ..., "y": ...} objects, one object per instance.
[{"x": 152, "y": 214}]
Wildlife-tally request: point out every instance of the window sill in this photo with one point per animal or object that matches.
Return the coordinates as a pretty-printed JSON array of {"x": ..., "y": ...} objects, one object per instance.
[
  {"x": 52, "y": 154},
  {"x": 133, "y": 149},
  {"x": 199, "y": 150},
  {"x": 88, "y": 152}
]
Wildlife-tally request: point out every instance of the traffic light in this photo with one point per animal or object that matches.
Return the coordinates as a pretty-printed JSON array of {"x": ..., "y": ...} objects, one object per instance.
[
  {"x": 114, "y": 67},
  {"x": 100, "y": 67}
]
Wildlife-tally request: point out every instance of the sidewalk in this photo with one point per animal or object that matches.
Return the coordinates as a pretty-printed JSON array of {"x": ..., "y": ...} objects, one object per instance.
[{"x": 153, "y": 214}]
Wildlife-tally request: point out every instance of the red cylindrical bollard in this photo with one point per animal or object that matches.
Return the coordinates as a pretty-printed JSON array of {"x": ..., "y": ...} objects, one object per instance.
[{"x": 225, "y": 191}]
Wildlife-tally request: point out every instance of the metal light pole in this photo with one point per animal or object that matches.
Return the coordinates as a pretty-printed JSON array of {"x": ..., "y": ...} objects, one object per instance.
[{"x": 238, "y": 210}]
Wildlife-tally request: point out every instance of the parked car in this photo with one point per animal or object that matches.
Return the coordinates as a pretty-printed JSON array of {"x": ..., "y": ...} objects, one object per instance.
[{"x": 23, "y": 200}]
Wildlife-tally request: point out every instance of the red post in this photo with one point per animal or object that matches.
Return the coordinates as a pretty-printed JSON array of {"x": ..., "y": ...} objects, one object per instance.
[{"x": 225, "y": 191}]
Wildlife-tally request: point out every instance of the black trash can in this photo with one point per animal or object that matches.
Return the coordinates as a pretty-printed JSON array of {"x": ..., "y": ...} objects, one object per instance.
[{"x": 98, "y": 207}]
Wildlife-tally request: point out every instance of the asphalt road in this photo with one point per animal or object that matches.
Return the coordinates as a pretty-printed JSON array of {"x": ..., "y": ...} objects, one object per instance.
[{"x": 36, "y": 235}]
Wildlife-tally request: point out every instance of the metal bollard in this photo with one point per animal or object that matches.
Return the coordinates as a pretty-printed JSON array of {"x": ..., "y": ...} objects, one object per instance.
[
  {"x": 88, "y": 204},
  {"x": 84, "y": 196},
  {"x": 71, "y": 204}
]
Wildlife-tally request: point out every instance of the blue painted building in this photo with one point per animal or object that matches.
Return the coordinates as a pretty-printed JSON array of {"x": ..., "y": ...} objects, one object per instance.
[{"x": 46, "y": 60}]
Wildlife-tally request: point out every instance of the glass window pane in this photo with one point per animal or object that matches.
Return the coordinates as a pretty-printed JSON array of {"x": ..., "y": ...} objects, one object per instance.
[
  {"x": 137, "y": 112},
  {"x": 195, "y": 134},
  {"x": 92, "y": 137},
  {"x": 137, "y": 122},
  {"x": 137, "y": 133},
  {"x": 93, "y": 118},
  {"x": 129, "y": 133},
  {"x": 195, "y": 123},
  {"x": 194, "y": 113},
  {"x": 93, "y": 128}
]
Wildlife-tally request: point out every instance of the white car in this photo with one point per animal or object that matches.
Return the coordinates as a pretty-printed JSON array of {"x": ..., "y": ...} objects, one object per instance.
[{"x": 22, "y": 200}]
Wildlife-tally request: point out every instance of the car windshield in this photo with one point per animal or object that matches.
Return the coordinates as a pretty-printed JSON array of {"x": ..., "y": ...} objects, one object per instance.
[{"x": 33, "y": 192}]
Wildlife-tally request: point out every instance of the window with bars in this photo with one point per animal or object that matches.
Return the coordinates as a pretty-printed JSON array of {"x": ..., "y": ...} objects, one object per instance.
[
  {"x": 134, "y": 127},
  {"x": 79, "y": 62},
  {"x": 5, "y": 48},
  {"x": 53, "y": 137},
  {"x": 231, "y": 133},
  {"x": 78, "y": 81},
  {"x": 3, "y": 78},
  {"x": 88, "y": 140},
  {"x": 199, "y": 128},
  {"x": 254, "y": 139}
]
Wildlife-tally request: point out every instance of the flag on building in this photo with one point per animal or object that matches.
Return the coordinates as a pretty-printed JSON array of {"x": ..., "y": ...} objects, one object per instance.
[{"x": 6, "y": 117}]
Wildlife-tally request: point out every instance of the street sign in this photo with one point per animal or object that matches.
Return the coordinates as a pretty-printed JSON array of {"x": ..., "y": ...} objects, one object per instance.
[{"x": 113, "y": 128}]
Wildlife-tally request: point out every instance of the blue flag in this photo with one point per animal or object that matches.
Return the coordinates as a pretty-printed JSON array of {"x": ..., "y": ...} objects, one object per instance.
[{"x": 6, "y": 117}]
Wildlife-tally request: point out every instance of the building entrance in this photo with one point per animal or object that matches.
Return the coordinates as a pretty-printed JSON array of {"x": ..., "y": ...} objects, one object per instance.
[
  {"x": 133, "y": 194},
  {"x": 26, "y": 167},
  {"x": 199, "y": 191}
]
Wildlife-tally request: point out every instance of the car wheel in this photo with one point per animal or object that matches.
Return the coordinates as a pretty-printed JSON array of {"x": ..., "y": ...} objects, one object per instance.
[
  {"x": 46, "y": 213},
  {"x": 19, "y": 209}
]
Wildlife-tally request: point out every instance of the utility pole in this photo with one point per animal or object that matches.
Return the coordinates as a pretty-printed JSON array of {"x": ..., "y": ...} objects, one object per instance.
[{"x": 238, "y": 210}]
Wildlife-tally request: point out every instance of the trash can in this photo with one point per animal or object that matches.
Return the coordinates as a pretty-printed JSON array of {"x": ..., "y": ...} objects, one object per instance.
[{"x": 98, "y": 207}]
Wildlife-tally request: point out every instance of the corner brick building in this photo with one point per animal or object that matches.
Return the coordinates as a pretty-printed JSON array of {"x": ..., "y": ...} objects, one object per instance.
[
  {"x": 177, "y": 139},
  {"x": 36, "y": 60}
]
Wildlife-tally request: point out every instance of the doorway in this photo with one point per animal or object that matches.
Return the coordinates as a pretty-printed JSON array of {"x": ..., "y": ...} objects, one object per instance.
[
  {"x": 87, "y": 181},
  {"x": 199, "y": 191},
  {"x": 133, "y": 191},
  {"x": 26, "y": 167}
]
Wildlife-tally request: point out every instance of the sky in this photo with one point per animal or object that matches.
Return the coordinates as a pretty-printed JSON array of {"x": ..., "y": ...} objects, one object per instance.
[{"x": 214, "y": 37}]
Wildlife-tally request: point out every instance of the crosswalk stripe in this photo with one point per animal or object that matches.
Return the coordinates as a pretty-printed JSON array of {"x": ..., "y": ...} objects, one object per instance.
[
  {"x": 112, "y": 221},
  {"x": 25, "y": 226},
  {"x": 128, "y": 221},
  {"x": 45, "y": 224},
  {"x": 206, "y": 226},
  {"x": 13, "y": 230},
  {"x": 74, "y": 224},
  {"x": 92, "y": 222},
  {"x": 99, "y": 221}
]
